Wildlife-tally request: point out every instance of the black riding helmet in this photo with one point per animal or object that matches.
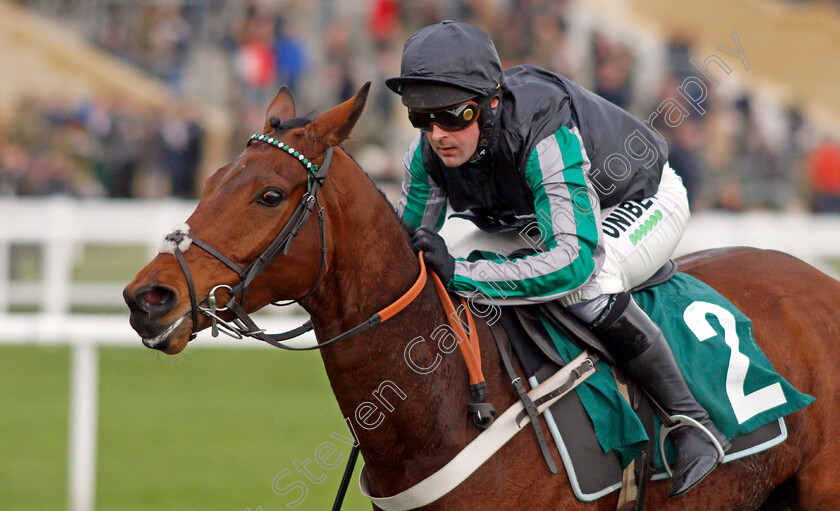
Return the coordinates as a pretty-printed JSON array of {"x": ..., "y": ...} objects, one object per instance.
[{"x": 446, "y": 64}]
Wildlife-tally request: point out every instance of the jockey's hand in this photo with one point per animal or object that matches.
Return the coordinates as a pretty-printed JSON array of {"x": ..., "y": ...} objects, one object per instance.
[{"x": 435, "y": 253}]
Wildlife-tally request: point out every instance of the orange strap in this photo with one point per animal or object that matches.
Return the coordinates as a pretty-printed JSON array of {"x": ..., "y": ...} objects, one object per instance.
[
  {"x": 469, "y": 343},
  {"x": 409, "y": 296}
]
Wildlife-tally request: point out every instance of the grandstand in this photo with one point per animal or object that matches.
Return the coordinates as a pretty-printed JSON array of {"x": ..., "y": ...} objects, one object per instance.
[{"x": 230, "y": 57}]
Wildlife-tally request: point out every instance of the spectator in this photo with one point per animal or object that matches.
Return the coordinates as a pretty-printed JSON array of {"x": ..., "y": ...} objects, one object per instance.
[
  {"x": 255, "y": 62},
  {"x": 179, "y": 135},
  {"x": 612, "y": 70},
  {"x": 382, "y": 22},
  {"x": 755, "y": 165},
  {"x": 289, "y": 55},
  {"x": 125, "y": 148},
  {"x": 824, "y": 172},
  {"x": 685, "y": 155},
  {"x": 169, "y": 39}
]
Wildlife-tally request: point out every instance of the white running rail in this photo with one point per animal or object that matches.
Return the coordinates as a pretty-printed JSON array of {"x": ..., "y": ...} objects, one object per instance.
[{"x": 62, "y": 226}]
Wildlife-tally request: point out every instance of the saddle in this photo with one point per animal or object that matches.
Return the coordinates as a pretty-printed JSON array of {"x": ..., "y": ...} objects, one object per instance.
[{"x": 593, "y": 472}]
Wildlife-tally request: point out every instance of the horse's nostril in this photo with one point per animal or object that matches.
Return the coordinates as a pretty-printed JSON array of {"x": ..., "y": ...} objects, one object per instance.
[
  {"x": 154, "y": 296},
  {"x": 155, "y": 299}
]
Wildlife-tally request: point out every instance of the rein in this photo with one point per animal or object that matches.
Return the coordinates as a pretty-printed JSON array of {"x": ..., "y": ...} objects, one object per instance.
[{"x": 244, "y": 326}]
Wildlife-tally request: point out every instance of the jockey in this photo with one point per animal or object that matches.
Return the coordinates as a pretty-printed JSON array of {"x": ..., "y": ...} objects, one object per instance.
[{"x": 536, "y": 161}]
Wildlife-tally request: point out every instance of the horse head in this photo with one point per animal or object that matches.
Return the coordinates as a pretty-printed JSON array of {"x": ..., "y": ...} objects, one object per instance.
[{"x": 234, "y": 234}]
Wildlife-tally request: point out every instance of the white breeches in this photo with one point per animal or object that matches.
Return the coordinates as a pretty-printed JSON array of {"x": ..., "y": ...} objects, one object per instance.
[
  {"x": 635, "y": 252},
  {"x": 639, "y": 237}
]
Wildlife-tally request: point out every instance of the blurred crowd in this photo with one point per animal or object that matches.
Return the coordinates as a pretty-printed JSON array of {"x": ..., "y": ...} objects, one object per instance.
[
  {"x": 100, "y": 148},
  {"x": 741, "y": 153}
]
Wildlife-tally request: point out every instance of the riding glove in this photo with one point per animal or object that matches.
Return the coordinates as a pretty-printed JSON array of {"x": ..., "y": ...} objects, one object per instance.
[{"x": 435, "y": 253}]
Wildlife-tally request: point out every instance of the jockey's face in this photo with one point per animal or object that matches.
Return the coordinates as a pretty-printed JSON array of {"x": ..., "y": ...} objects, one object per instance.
[{"x": 455, "y": 147}]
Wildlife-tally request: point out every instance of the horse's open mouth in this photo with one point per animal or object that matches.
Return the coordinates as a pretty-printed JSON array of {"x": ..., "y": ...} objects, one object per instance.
[{"x": 161, "y": 341}]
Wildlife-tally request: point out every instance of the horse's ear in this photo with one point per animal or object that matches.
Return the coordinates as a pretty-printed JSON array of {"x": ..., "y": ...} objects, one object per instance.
[
  {"x": 334, "y": 126},
  {"x": 282, "y": 108}
]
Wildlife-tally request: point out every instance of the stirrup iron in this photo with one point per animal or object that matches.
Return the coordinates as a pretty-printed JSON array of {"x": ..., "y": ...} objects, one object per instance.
[{"x": 681, "y": 421}]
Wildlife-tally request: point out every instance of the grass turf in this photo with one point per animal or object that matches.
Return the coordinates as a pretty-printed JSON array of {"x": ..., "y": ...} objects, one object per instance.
[{"x": 208, "y": 429}]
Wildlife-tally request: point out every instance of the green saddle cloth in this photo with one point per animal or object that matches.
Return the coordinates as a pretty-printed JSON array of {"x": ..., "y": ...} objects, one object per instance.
[{"x": 722, "y": 364}]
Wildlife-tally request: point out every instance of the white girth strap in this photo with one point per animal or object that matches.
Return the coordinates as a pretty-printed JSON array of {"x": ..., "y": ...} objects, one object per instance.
[{"x": 479, "y": 450}]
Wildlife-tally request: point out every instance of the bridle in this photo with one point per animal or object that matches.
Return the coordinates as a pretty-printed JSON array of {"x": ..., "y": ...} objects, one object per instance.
[{"x": 243, "y": 325}]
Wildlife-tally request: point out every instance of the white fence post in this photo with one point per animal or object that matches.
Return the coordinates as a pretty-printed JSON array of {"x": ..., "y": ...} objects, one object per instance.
[
  {"x": 5, "y": 274},
  {"x": 84, "y": 397},
  {"x": 58, "y": 258}
]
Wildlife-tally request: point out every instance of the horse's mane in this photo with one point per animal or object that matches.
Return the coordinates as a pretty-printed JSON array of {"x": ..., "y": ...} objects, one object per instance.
[
  {"x": 281, "y": 127},
  {"x": 407, "y": 229}
]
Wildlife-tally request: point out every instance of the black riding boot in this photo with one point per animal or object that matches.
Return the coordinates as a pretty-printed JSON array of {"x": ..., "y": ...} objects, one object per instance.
[{"x": 637, "y": 343}]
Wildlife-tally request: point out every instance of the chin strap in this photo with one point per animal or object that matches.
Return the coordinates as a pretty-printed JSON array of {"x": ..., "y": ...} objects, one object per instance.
[{"x": 490, "y": 125}]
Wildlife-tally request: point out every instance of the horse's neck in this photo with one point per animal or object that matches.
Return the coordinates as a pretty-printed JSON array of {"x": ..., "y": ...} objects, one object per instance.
[
  {"x": 387, "y": 403},
  {"x": 371, "y": 261}
]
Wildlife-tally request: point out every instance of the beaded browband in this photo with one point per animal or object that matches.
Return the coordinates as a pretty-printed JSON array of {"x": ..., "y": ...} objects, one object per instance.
[{"x": 311, "y": 167}]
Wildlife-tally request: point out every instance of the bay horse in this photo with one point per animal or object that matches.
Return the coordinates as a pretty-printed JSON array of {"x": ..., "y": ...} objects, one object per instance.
[{"x": 368, "y": 263}]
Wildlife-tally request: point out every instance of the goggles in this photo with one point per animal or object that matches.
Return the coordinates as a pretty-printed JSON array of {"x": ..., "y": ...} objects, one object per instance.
[{"x": 451, "y": 119}]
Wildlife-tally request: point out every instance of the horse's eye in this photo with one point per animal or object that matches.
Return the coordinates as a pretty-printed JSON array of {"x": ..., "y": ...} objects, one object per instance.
[{"x": 271, "y": 197}]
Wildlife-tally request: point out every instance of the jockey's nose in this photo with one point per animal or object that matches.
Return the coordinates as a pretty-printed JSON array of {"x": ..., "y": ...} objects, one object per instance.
[
  {"x": 155, "y": 300},
  {"x": 436, "y": 133}
]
